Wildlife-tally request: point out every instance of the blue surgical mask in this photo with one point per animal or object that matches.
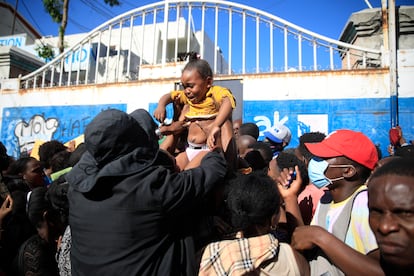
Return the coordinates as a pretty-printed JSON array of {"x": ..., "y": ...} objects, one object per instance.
[{"x": 316, "y": 171}]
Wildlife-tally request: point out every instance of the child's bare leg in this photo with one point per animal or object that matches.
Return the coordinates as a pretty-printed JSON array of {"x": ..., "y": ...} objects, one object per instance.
[
  {"x": 182, "y": 160},
  {"x": 195, "y": 162},
  {"x": 169, "y": 144}
]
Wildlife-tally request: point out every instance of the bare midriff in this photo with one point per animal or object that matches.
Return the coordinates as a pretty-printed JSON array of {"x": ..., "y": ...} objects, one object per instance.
[{"x": 198, "y": 131}]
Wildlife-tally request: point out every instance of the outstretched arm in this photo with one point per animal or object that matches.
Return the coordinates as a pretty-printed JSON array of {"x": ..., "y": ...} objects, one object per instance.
[
  {"x": 224, "y": 114},
  {"x": 159, "y": 112},
  {"x": 350, "y": 261}
]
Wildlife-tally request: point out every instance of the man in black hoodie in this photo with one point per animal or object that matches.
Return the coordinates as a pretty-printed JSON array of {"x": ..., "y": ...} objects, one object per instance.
[{"x": 130, "y": 212}]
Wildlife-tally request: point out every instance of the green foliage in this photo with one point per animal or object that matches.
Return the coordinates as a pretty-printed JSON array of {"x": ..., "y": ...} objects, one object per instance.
[
  {"x": 112, "y": 2},
  {"x": 45, "y": 52},
  {"x": 54, "y": 8},
  {"x": 59, "y": 10}
]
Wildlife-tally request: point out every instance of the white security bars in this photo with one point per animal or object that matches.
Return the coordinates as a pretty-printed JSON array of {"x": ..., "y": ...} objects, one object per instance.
[{"x": 234, "y": 38}]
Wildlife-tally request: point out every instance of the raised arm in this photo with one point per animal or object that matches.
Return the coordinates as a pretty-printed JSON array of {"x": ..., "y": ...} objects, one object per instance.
[
  {"x": 350, "y": 261},
  {"x": 289, "y": 189},
  {"x": 224, "y": 113},
  {"x": 159, "y": 112}
]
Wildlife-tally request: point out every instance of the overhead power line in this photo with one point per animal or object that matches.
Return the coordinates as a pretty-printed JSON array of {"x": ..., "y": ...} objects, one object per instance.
[
  {"x": 79, "y": 26},
  {"x": 98, "y": 9},
  {"x": 32, "y": 18},
  {"x": 129, "y": 4},
  {"x": 104, "y": 7}
]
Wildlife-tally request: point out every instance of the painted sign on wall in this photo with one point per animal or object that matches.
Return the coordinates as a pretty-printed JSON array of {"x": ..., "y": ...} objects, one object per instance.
[
  {"x": 370, "y": 116},
  {"x": 22, "y": 126},
  {"x": 14, "y": 40}
]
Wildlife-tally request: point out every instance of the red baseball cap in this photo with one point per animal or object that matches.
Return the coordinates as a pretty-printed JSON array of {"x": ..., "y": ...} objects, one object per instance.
[{"x": 351, "y": 144}]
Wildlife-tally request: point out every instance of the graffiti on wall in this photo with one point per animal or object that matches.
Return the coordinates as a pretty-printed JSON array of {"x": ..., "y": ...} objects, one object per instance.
[
  {"x": 304, "y": 123},
  {"x": 38, "y": 128},
  {"x": 23, "y": 126},
  {"x": 312, "y": 122},
  {"x": 265, "y": 120},
  {"x": 369, "y": 116}
]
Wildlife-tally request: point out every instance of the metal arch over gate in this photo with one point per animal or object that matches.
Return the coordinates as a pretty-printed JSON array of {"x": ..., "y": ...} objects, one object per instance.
[{"x": 234, "y": 38}]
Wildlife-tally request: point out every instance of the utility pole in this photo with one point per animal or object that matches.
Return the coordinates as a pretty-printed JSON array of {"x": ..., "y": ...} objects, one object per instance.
[
  {"x": 393, "y": 61},
  {"x": 14, "y": 17},
  {"x": 390, "y": 46}
]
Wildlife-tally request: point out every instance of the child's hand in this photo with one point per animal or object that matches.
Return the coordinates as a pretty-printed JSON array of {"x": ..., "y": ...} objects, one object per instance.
[
  {"x": 211, "y": 139},
  {"x": 160, "y": 114}
]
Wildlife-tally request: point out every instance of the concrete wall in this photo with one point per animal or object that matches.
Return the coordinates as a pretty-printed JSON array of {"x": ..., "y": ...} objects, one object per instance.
[{"x": 304, "y": 101}]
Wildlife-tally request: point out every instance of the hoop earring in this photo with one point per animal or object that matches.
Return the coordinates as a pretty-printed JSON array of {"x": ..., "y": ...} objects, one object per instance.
[{"x": 273, "y": 227}]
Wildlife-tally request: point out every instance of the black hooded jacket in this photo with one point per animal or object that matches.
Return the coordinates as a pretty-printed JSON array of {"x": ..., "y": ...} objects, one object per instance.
[{"x": 130, "y": 213}]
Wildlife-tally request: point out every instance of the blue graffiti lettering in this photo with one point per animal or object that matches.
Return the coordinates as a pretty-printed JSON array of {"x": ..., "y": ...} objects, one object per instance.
[
  {"x": 303, "y": 127},
  {"x": 73, "y": 128}
]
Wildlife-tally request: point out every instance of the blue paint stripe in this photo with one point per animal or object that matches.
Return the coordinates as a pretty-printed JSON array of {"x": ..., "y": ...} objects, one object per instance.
[{"x": 370, "y": 116}]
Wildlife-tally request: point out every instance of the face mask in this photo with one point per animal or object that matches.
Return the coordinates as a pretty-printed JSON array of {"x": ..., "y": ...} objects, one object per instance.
[{"x": 316, "y": 170}]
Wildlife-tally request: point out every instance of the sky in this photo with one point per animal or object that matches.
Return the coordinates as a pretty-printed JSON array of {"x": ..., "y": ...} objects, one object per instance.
[{"x": 326, "y": 17}]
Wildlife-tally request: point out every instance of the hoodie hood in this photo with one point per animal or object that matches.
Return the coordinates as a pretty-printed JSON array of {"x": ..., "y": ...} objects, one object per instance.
[
  {"x": 111, "y": 134},
  {"x": 145, "y": 120},
  {"x": 116, "y": 146}
]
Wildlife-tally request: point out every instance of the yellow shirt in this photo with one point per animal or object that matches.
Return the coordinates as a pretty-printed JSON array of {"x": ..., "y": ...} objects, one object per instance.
[{"x": 209, "y": 107}]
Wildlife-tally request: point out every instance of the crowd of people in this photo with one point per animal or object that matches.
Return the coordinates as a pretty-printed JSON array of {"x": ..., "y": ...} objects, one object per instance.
[{"x": 210, "y": 198}]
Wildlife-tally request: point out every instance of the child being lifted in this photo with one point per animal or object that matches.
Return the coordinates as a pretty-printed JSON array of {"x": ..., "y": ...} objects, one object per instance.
[{"x": 206, "y": 110}]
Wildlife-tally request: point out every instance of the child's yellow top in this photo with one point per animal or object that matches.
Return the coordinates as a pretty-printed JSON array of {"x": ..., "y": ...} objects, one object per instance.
[{"x": 208, "y": 108}]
